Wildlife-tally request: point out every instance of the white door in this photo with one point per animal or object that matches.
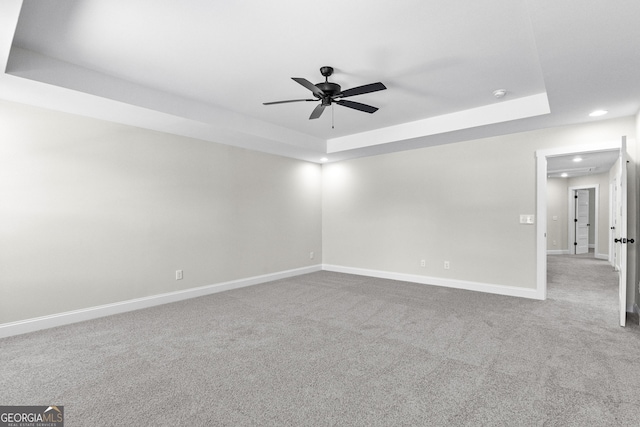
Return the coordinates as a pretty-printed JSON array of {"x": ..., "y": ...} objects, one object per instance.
[
  {"x": 620, "y": 231},
  {"x": 582, "y": 221},
  {"x": 613, "y": 221},
  {"x": 615, "y": 218}
]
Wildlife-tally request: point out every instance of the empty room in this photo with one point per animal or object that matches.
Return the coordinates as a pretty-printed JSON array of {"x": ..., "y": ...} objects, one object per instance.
[{"x": 319, "y": 213}]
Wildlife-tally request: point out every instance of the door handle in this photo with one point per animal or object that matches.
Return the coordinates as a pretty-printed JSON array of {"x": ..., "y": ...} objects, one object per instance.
[{"x": 624, "y": 240}]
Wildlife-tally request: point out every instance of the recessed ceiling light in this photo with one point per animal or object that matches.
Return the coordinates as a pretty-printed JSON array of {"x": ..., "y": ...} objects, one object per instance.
[
  {"x": 577, "y": 159},
  {"x": 564, "y": 174},
  {"x": 324, "y": 159},
  {"x": 598, "y": 113}
]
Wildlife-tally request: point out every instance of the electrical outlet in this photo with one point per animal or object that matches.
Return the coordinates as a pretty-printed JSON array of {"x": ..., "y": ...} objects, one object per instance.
[
  {"x": 178, "y": 274},
  {"x": 423, "y": 263},
  {"x": 447, "y": 265},
  {"x": 310, "y": 255}
]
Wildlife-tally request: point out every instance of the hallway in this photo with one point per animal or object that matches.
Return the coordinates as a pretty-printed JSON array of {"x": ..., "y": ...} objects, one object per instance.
[{"x": 585, "y": 281}]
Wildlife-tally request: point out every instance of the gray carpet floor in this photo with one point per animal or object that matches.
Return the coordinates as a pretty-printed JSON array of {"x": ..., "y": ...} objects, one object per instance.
[{"x": 336, "y": 349}]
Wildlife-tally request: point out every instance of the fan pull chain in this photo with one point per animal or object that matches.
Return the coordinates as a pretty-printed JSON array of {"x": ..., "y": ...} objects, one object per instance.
[{"x": 332, "y": 117}]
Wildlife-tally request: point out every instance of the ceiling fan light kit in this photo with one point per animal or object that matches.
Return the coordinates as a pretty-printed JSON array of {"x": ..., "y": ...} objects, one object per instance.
[{"x": 328, "y": 93}]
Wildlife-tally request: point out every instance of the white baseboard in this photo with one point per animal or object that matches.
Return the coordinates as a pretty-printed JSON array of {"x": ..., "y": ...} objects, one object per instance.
[
  {"x": 566, "y": 252},
  {"x": 557, "y": 251},
  {"x": 59, "y": 319},
  {"x": 447, "y": 283}
]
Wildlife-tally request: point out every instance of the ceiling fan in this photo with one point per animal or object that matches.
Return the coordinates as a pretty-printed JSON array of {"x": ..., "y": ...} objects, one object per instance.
[{"x": 329, "y": 93}]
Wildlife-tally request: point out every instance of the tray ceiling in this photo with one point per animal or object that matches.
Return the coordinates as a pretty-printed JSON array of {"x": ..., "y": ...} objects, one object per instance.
[{"x": 203, "y": 68}]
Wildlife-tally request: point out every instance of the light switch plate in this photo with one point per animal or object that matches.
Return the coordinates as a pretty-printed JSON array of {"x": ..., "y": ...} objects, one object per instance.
[{"x": 527, "y": 219}]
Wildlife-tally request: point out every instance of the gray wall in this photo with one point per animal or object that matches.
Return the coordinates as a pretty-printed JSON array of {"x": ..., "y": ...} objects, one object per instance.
[
  {"x": 93, "y": 212},
  {"x": 557, "y": 207},
  {"x": 458, "y": 202}
]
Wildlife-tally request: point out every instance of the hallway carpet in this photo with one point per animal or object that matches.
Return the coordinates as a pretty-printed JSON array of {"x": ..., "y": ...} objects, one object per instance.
[{"x": 329, "y": 349}]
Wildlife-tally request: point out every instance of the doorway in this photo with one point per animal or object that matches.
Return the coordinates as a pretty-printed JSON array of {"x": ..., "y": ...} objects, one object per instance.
[
  {"x": 583, "y": 223},
  {"x": 544, "y": 157}
]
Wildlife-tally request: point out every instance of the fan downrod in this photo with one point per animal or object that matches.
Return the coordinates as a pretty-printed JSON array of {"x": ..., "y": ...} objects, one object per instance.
[{"x": 330, "y": 89}]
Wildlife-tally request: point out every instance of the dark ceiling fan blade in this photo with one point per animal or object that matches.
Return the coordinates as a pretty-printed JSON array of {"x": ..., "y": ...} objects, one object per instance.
[
  {"x": 284, "y": 102},
  {"x": 372, "y": 87},
  {"x": 357, "y": 106},
  {"x": 306, "y": 83},
  {"x": 317, "y": 112}
]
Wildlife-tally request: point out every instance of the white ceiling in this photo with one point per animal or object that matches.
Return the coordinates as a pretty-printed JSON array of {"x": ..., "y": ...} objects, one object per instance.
[
  {"x": 582, "y": 164},
  {"x": 203, "y": 68}
]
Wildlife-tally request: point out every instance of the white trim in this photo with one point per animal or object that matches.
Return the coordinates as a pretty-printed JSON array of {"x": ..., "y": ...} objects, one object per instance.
[
  {"x": 518, "y": 108},
  {"x": 566, "y": 252},
  {"x": 575, "y": 149},
  {"x": 59, "y": 319},
  {"x": 541, "y": 227},
  {"x": 541, "y": 201},
  {"x": 513, "y": 291}
]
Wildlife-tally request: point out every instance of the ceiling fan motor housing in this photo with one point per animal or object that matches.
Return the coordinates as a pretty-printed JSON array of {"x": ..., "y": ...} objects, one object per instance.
[{"x": 330, "y": 89}]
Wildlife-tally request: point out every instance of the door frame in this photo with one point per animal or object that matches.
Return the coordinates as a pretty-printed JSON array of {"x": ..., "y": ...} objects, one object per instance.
[
  {"x": 541, "y": 201},
  {"x": 622, "y": 230},
  {"x": 571, "y": 231}
]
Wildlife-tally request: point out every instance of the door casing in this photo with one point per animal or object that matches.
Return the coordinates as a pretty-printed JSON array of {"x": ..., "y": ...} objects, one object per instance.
[{"x": 541, "y": 202}]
